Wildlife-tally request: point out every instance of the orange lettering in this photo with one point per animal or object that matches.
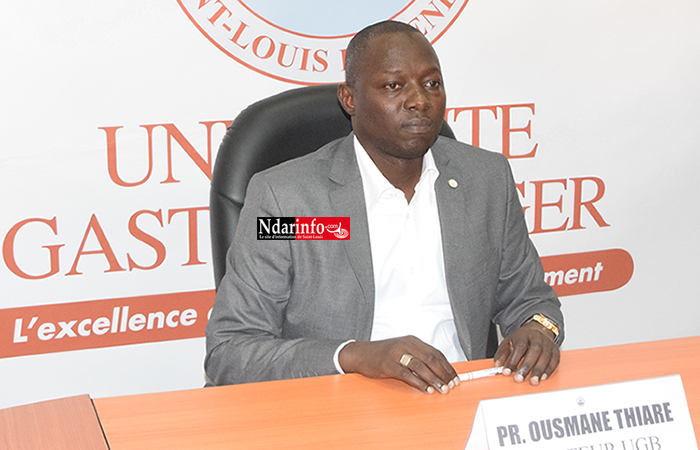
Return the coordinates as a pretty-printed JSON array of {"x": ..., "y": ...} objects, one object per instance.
[
  {"x": 238, "y": 34},
  {"x": 305, "y": 59},
  {"x": 342, "y": 57},
  {"x": 174, "y": 133},
  {"x": 280, "y": 56},
  {"x": 270, "y": 48},
  {"x": 436, "y": 13},
  {"x": 218, "y": 12},
  {"x": 192, "y": 231},
  {"x": 539, "y": 205},
  {"x": 320, "y": 60},
  {"x": 476, "y": 119},
  {"x": 521, "y": 188},
  {"x": 105, "y": 248},
  {"x": 147, "y": 239},
  {"x": 112, "y": 157},
  {"x": 579, "y": 204},
  {"x": 507, "y": 130},
  {"x": 9, "y": 254}
]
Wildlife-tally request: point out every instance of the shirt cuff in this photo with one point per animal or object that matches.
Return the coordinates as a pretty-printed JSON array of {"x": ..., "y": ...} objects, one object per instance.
[{"x": 337, "y": 352}]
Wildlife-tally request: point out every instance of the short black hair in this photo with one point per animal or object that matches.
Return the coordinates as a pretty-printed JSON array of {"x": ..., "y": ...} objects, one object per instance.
[{"x": 358, "y": 44}]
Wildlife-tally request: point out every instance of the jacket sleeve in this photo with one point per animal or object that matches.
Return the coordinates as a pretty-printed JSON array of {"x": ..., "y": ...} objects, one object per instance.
[
  {"x": 244, "y": 336},
  {"x": 522, "y": 291}
]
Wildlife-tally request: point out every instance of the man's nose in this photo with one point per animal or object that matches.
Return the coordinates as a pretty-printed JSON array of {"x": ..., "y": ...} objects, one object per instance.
[{"x": 416, "y": 98}]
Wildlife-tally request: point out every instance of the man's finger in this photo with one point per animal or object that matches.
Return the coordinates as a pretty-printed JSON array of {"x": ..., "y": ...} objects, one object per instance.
[
  {"x": 436, "y": 366},
  {"x": 553, "y": 363},
  {"x": 537, "y": 350},
  {"x": 409, "y": 377},
  {"x": 426, "y": 374},
  {"x": 502, "y": 353},
  {"x": 519, "y": 348},
  {"x": 540, "y": 367}
]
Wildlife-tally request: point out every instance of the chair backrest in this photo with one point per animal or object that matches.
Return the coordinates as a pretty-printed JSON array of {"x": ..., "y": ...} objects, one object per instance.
[{"x": 284, "y": 126}]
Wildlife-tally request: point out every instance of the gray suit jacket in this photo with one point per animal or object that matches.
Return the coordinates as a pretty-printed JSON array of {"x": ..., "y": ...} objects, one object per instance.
[{"x": 283, "y": 306}]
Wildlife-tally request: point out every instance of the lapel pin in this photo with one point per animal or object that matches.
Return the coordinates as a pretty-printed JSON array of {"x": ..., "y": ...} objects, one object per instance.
[{"x": 453, "y": 183}]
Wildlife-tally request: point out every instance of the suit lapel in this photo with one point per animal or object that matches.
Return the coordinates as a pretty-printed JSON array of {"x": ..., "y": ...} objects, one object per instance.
[
  {"x": 348, "y": 200},
  {"x": 451, "y": 189}
]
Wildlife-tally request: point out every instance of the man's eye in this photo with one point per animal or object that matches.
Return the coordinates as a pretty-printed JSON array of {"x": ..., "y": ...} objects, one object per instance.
[
  {"x": 433, "y": 84},
  {"x": 392, "y": 86}
]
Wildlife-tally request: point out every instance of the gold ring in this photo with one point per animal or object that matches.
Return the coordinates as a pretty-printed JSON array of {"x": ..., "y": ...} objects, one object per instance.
[{"x": 405, "y": 359}]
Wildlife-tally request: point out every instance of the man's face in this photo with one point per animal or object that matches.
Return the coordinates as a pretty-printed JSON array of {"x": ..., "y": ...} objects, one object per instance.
[{"x": 397, "y": 103}]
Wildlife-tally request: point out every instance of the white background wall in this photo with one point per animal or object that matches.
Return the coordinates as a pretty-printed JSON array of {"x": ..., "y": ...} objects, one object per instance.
[{"x": 614, "y": 87}]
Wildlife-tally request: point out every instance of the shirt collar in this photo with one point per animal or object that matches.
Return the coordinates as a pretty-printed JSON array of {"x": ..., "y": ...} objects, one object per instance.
[{"x": 375, "y": 183}]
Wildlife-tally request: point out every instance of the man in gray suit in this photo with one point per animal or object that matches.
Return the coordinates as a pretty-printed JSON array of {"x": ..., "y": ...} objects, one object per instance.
[{"x": 438, "y": 246}]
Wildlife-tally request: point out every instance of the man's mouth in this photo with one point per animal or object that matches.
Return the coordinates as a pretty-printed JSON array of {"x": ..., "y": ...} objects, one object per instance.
[{"x": 419, "y": 125}]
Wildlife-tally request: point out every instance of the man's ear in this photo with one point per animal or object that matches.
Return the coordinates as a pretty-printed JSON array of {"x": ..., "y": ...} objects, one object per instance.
[{"x": 346, "y": 97}]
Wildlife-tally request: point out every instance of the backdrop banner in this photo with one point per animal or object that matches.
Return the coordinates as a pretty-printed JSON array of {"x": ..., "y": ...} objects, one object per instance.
[{"x": 112, "y": 113}]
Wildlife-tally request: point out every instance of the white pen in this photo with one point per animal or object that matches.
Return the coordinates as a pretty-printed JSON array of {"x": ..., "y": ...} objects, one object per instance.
[{"x": 480, "y": 373}]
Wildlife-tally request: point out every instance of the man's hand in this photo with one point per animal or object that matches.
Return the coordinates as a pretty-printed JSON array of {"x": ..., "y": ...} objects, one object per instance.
[
  {"x": 426, "y": 370},
  {"x": 531, "y": 347}
]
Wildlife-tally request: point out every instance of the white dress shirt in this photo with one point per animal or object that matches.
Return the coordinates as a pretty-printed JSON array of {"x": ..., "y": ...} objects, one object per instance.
[{"x": 409, "y": 270}]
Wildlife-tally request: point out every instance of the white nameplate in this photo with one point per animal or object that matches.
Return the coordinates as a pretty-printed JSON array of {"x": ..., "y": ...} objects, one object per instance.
[{"x": 647, "y": 414}]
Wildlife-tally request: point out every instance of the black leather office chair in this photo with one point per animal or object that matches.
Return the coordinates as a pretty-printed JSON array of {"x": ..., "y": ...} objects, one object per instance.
[{"x": 284, "y": 126}]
